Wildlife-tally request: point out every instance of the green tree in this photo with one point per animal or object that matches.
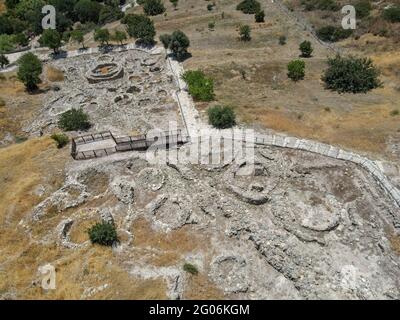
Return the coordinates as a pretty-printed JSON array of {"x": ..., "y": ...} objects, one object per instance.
[
  {"x": 3, "y": 61},
  {"x": 249, "y": 6},
  {"x": 245, "y": 33},
  {"x": 29, "y": 70},
  {"x": 140, "y": 27},
  {"x": 30, "y": 11},
  {"x": 102, "y": 36},
  {"x": 103, "y": 233},
  {"x": 259, "y": 16},
  {"x": 153, "y": 7},
  {"x": 221, "y": 117},
  {"x": 120, "y": 36},
  {"x": 87, "y": 10},
  {"x": 179, "y": 44},
  {"x": 74, "y": 120},
  {"x": 306, "y": 49},
  {"x": 51, "y": 39},
  {"x": 296, "y": 70},
  {"x": 77, "y": 36},
  {"x": 6, "y": 43},
  {"x": 351, "y": 74},
  {"x": 109, "y": 14}
]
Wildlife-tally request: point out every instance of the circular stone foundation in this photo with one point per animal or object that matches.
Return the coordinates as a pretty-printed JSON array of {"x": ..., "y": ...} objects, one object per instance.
[{"x": 105, "y": 72}]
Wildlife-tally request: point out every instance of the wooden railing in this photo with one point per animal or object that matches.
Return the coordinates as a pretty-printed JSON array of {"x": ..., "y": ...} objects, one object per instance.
[{"x": 126, "y": 143}]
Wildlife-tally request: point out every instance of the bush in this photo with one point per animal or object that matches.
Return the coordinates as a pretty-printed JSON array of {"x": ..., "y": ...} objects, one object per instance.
[
  {"x": 73, "y": 120},
  {"x": 153, "y": 7},
  {"x": 306, "y": 49},
  {"x": 210, "y": 7},
  {"x": 77, "y": 36},
  {"x": 363, "y": 8},
  {"x": 296, "y": 70},
  {"x": 29, "y": 70},
  {"x": 103, "y": 233},
  {"x": 351, "y": 74},
  {"x": 200, "y": 87},
  {"x": 190, "y": 268},
  {"x": 221, "y": 117},
  {"x": 259, "y": 16},
  {"x": 61, "y": 139},
  {"x": 140, "y": 27},
  {"x": 249, "y": 6},
  {"x": 333, "y": 34},
  {"x": 244, "y": 33},
  {"x": 211, "y": 25},
  {"x": 392, "y": 14},
  {"x": 282, "y": 40}
]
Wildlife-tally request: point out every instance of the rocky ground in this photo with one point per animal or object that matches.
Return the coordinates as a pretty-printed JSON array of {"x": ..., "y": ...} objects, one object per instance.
[
  {"x": 139, "y": 97},
  {"x": 296, "y": 225}
]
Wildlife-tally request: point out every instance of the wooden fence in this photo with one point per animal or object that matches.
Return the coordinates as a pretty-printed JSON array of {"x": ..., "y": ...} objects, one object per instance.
[{"x": 127, "y": 143}]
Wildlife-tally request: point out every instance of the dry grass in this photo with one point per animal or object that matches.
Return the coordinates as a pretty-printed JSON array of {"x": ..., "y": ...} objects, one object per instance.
[
  {"x": 19, "y": 105},
  {"x": 54, "y": 75},
  {"x": 395, "y": 242},
  {"x": 3, "y": 7},
  {"x": 199, "y": 287}
]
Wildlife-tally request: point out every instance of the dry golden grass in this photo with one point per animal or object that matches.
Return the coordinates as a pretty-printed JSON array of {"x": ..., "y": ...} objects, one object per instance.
[
  {"x": 395, "y": 242},
  {"x": 54, "y": 75},
  {"x": 200, "y": 287}
]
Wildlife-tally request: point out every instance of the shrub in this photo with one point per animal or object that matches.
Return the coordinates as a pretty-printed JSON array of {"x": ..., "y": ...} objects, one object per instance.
[
  {"x": 244, "y": 33},
  {"x": 333, "y": 34},
  {"x": 29, "y": 70},
  {"x": 259, "y": 16},
  {"x": 140, "y": 27},
  {"x": 61, "y": 139},
  {"x": 306, "y": 49},
  {"x": 2, "y": 102},
  {"x": 351, "y": 74},
  {"x": 200, "y": 87},
  {"x": 103, "y": 233},
  {"x": 209, "y": 7},
  {"x": 153, "y": 7},
  {"x": 249, "y": 6},
  {"x": 394, "y": 112},
  {"x": 211, "y": 25},
  {"x": 282, "y": 40},
  {"x": 73, "y": 120},
  {"x": 392, "y": 14},
  {"x": 296, "y": 70},
  {"x": 363, "y": 8},
  {"x": 190, "y": 268},
  {"x": 221, "y": 117}
]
